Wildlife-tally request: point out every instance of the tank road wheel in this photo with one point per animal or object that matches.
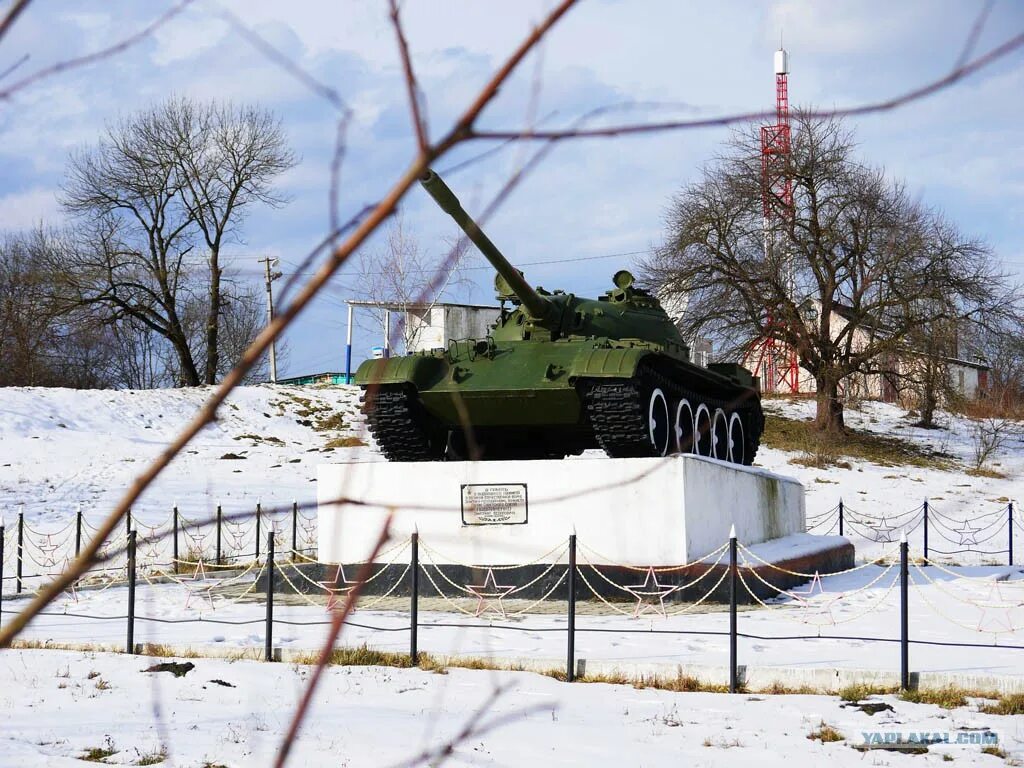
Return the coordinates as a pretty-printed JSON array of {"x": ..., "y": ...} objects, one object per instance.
[
  {"x": 737, "y": 440},
  {"x": 658, "y": 424},
  {"x": 720, "y": 435},
  {"x": 702, "y": 430},
  {"x": 753, "y": 426},
  {"x": 401, "y": 428},
  {"x": 684, "y": 427}
]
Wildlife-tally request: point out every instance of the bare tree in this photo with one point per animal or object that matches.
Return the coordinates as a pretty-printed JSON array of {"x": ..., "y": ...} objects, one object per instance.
[
  {"x": 157, "y": 197},
  {"x": 399, "y": 274},
  {"x": 40, "y": 343},
  {"x": 844, "y": 276}
]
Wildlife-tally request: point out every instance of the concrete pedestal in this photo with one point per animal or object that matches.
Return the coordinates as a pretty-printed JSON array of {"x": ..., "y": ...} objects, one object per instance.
[
  {"x": 627, "y": 514},
  {"x": 639, "y": 512}
]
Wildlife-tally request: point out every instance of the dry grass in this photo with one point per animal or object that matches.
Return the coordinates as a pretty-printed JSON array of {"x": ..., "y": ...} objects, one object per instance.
[
  {"x": 350, "y": 441},
  {"x": 335, "y": 422},
  {"x": 360, "y": 656},
  {"x": 825, "y": 450},
  {"x": 778, "y": 688},
  {"x": 985, "y": 472},
  {"x": 99, "y": 754},
  {"x": 1007, "y": 704},
  {"x": 825, "y": 733},
  {"x": 152, "y": 758},
  {"x": 679, "y": 683},
  {"x": 162, "y": 651},
  {"x": 861, "y": 691},
  {"x": 994, "y": 751},
  {"x": 949, "y": 697}
]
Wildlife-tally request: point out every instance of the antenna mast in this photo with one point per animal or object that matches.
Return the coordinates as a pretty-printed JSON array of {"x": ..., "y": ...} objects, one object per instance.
[{"x": 777, "y": 365}]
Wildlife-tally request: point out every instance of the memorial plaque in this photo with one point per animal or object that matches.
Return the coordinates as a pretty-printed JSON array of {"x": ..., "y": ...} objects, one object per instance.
[{"x": 491, "y": 504}]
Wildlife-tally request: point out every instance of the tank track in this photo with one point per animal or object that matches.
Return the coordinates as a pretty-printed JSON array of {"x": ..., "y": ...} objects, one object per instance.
[
  {"x": 616, "y": 413},
  {"x": 397, "y": 427}
]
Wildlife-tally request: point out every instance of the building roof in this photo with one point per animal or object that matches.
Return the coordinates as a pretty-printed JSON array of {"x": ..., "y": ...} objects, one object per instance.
[{"x": 403, "y": 307}]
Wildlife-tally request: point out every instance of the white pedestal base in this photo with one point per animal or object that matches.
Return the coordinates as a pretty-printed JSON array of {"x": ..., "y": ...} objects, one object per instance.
[{"x": 643, "y": 512}]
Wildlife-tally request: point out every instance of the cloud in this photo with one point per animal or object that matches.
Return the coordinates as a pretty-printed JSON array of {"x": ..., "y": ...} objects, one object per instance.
[{"x": 28, "y": 209}]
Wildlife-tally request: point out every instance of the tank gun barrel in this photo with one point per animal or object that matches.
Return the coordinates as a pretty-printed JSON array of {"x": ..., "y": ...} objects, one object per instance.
[{"x": 536, "y": 305}]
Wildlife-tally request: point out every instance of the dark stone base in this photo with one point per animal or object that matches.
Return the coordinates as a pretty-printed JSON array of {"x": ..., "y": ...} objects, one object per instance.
[{"x": 696, "y": 581}]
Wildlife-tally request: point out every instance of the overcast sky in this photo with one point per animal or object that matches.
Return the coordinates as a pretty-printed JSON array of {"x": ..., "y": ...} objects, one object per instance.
[{"x": 961, "y": 150}]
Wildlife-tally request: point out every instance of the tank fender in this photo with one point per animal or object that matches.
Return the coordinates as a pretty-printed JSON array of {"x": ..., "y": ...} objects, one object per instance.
[
  {"x": 412, "y": 369},
  {"x": 607, "y": 363}
]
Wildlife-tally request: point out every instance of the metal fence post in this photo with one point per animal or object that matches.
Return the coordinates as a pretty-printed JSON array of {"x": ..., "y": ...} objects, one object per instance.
[
  {"x": 128, "y": 523},
  {"x": 926, "y": 529},
  {"x": 258, "y": 509},
  {"x": 841, "y": 510},
  {"x": 174, "y": 518},
  {"x": 295, "y": 529},
  {"x": 131, "y": 592},
  {"x": 414, "y": 604},
  {"x": 904, "y": 613},
  {"x": 21, "y": 549},
  {"x": 1009, "y": 514},
  {"x": 219, "y": 518},
  {"x": 78, "y": 530},
  {"x": 3, "y": 531},
  {"x": 570, "y": 662},
  {"x": 733, "y": 682},
  {"x": 269, "y": 649}
]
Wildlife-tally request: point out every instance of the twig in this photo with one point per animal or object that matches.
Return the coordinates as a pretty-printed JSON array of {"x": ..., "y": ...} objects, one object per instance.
[
  {"x": 915, "y": 94},
  {"x": 411, "y": 85},
  {"x": 472, "y": 728},
  {"x": 89, "y": 58},
  {"x": 15, "y": 11},
  {"x": 334, "y": 630},
  {"x": 208, "y": 411}
]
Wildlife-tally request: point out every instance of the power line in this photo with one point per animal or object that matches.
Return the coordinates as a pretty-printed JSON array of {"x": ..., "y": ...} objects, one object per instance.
[{"x": 522, "y": 264}]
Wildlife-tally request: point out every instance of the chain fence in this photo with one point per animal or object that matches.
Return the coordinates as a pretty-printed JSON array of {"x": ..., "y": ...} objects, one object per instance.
[{"x": 984, "y": 608}]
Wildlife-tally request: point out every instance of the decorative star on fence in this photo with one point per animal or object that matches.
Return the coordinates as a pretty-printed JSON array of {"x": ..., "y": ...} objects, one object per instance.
[
  {"x": 47, "y": 548},
  {"x": 648, "y": 591},
  {"x": 72, "y": 589},
  {"x": 338, "y": 585},
  {"x": 967, "y": 534},
  {"x": 822, "y": 607},
  {"x": 488, "y": 591},
  {"x": 204, "y": 593},
  {"x": 995, "y": 611},
  {"x": 803, "y": 595},
  {"x": 884, "y": 530}
]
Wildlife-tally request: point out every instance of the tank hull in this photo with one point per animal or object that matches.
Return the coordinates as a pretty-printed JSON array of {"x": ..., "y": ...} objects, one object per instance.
[{"x": 529, "y": 400}]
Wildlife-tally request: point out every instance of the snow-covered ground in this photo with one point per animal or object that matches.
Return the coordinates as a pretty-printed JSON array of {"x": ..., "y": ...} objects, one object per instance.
[
  {"x": 62, "y": 448},
  {"x": 59, "y": 705}
]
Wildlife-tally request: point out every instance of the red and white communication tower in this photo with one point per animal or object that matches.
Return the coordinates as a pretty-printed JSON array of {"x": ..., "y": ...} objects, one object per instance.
[{"x": 774, "y": 361}]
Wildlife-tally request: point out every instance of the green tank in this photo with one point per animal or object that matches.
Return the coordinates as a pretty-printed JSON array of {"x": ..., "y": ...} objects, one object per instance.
[{"x": 557, "y": 375}]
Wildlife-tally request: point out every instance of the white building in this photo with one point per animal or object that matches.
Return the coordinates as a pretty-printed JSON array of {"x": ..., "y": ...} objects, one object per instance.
[{"x": 772, "y": 364}]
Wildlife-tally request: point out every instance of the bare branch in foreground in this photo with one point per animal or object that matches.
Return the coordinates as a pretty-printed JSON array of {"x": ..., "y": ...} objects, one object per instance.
[
  {"x": 208, "y": 412},
  {"x": 915, "y": 94},
  {"x": 472, "y": 728},
  {"x": 12, "y": 15},
  {"x": 411, "y": 85},
  {"x": 91, "y": 58},
  {"x": 337, "y": 622}
]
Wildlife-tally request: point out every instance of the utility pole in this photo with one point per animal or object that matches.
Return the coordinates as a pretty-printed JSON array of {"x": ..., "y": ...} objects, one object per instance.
[{"x": 271, "y": 277}]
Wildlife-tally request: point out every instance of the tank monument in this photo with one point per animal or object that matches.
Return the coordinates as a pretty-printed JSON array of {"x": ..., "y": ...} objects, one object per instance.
[{"x": 477, "y": 434}]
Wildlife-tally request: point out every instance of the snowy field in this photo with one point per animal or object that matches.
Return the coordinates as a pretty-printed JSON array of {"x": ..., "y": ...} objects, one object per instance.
[
  {"x": 60, "y": 449},
  {"x": 59, "y": 705}
]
